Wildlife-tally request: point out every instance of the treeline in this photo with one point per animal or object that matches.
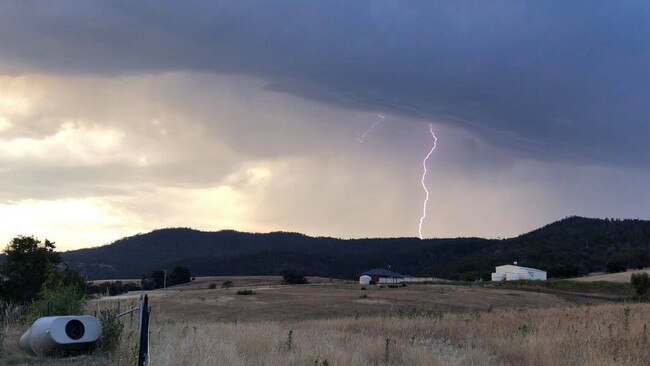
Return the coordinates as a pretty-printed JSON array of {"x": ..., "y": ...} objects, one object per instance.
[
  {"x": 153, "y": 281},
  {"x": 567, "y": 248},
  {"x": 156, "y": 279}
]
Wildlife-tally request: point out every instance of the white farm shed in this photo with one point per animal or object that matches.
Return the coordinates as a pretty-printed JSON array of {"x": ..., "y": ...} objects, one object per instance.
[
  {"x": 365, "y": 280},
  {"x": 511, "y": 272}
]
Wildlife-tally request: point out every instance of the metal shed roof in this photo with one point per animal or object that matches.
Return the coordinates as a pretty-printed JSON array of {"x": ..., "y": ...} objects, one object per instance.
[{"x": 384, "y": 273}]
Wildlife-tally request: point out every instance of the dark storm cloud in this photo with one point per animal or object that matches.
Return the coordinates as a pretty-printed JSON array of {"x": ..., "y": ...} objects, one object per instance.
[{"x": 549, "y": 79}]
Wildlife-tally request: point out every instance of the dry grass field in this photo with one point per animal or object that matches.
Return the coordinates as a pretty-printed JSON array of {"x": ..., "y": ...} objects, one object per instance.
[
  {"x": 333, "y": 324},
  {"x": 612, "y": 277},
  {"x": 329, "y": 301}
]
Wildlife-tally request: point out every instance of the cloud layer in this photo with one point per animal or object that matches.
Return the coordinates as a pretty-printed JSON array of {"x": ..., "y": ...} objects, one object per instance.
[
  {"x": 136, "y": 115},
  {"x": 551, "y": 80}
]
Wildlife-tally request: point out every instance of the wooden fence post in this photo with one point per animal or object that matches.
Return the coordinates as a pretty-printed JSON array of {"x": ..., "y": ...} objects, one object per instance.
[{"x": 143, "y": 354}]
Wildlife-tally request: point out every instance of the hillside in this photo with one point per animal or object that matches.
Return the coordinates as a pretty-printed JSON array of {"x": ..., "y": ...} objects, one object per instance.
[
  {"x": 611, "y": 277},
  {"x": 570, "y": 247}
]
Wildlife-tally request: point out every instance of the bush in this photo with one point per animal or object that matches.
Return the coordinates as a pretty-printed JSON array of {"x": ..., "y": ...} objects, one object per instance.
[
  {"x": 179, "y": 275},
  {"x": 154, "y": 281},
  {"x": 294, "y": 278},
  {"x": 112, "y": 288},
  {"x": 245, "y": 292},
  {"x": 111, "y": 330},
  {"x": 65, "y": 300},
  {"x": 212, "y": 286},
  {"x": 62, "y": 293},
  {"x": 615, "y": 267},
  {"x": 227, "y": 284},
  {"x": 640, "y": 282}
]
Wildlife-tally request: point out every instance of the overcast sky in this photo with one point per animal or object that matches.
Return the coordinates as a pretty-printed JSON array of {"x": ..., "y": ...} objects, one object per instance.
[{"x": 122, "y": 117}]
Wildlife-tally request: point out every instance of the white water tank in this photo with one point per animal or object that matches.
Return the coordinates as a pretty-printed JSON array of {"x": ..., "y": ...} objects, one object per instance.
[
  {"x": 365, "y": 280},
  {"x": 53, "y": 334}
]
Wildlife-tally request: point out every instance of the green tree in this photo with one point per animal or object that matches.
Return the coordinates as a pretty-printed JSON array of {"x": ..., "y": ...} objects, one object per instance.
[
  {"x": 179, "y": 275},
  {"x": 154, "y": 281},
  {"x": 292, "y": 277},
  {"x": 28, "y": 263},
  {"x": 641, "y": 282}
]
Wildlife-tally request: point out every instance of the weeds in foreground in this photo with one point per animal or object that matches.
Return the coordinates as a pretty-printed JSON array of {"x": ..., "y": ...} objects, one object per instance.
[
  {"x": 289, "y": 341},
  {"x": 626, "y": 318},
  {"x": 112, "y": 330},
  {"x": 387, "y": 350}
]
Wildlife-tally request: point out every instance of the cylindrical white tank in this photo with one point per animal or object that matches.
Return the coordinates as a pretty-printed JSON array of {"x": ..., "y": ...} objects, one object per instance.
[
  {"x": 60, "y": 333},
  {"x": 365, "y": 280}
]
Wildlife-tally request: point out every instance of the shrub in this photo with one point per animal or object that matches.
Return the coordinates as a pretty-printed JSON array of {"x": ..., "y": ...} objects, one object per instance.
[
  {"x": 212, "y": 286},
  {"x": 363, "y": 289},
  {"x": 111, "y": 288},
  {"x": 179, "y": 275},
  {"x": 65, "y": 300},
  {"x": 111, "y": 330},
  {"x": 640, "y": 282},
  {"x": 227, "y": 284},
  {"x": 245, "y": 292},
  {"x": 615, "y": 266},
  {"x": 289, "y": 341},
  {"x": 294, "y": 278}
]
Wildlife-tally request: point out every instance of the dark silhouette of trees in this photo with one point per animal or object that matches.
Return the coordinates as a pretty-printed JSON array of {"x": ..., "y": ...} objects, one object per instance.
[
  {"x": 615, "y": 267},
  {"x": 640, "y": 282},
  {"x": 179, "y": 275},
  {"x": 27, "y": 266},
  {"x": 291, "y": 277},
  {"x": 570, "y": 247}
]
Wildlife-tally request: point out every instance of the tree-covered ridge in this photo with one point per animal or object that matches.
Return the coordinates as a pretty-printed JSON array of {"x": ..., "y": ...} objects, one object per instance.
[{"x": 569, "y": 247}]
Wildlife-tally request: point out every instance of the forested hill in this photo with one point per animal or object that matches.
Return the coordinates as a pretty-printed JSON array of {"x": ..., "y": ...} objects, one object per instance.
[{"x": 568, "y": 247}]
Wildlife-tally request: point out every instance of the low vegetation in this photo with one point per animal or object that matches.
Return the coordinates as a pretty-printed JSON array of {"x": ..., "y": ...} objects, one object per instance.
[
  {"x": 246, "y": 292},
  {"x": 595, "y": 335},
  {"x": 291, "y": 277},
  {"x": 641, "y": 283},
  {"x": 606, "y": 288},
  {"x": 111, "y": 288}
]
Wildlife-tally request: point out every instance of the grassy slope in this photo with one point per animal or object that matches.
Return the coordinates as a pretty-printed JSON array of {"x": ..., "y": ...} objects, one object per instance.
[{"x": 612, "y": 277}]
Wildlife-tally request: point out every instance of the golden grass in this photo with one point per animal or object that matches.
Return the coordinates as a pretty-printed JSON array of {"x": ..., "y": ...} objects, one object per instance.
[
  {"x": 561, "y": 335},
  {"x": 593, "y": 335},
  {"x": 330, "y": 301},
  {"x": 613, "y": 277}
]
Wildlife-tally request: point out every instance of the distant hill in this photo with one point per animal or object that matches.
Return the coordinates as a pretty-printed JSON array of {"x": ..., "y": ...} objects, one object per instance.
[{"x": 570, "y": 247}]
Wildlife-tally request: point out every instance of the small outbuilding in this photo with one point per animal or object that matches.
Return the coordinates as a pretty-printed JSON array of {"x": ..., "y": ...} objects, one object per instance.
[
  {"x": 385, "y": 276},
  {"x": 365, "y": 280},
  {"x": 379, "y": 275},
  {"x": 513, "y": 272}
]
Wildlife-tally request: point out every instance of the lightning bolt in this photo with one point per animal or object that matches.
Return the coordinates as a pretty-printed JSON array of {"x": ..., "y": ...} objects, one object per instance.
[
  {"x": 424, "y": 175},
  {"x": 363, "y": 136}
]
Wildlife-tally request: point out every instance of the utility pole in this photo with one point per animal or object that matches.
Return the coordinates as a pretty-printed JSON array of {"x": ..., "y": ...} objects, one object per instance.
[{"x": 165, "y": 280}]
